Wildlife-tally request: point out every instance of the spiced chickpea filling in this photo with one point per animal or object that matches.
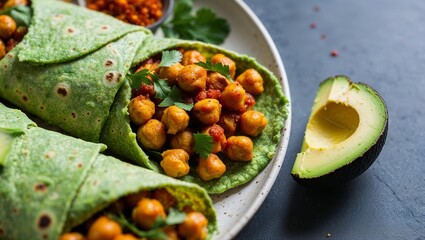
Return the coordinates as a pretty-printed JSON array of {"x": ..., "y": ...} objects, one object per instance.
[
  {"x": 12, "y": 30},
  {"x": 143, "y": 215},
  {"x": 211, "y": 118}
]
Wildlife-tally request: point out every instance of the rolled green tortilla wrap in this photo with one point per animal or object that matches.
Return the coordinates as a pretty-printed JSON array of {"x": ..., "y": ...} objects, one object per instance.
[
  {"x": 88, "y": 96},
  {"x": 50, "y": 183}
]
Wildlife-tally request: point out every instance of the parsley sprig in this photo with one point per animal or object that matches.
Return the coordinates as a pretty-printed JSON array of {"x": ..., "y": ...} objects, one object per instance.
[
  {"x": 174, "y": 217},
  {"x": 218, "y": 67},
  {"x": 170, "y": 96},
  {"x": 204, "y": 144},
  {"x": 204, "y": 25}
]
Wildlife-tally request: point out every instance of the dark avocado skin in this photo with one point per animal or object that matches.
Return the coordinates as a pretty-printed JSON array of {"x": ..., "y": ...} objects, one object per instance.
[{"x": 352, "y": 170}]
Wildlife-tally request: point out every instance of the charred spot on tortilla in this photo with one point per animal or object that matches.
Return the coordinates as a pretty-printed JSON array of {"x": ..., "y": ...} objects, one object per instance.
[
  {"x": 58, "y": 17},
  {"x": 25, "y": 98},
  {"x": 62, "y": 90},
  {"x": 71, "y": 30},
  {"x": 40, "y": 187},
  {"x": 79, "y": 165},
  {"x": 44, "y": 221},
  {"x": 49, "y": 155},
  {"x": 74, "y": 115},
  {"x": 112, "y": 77},
  {"x": 1, "y": 231},
  {"x": 109, "y": 63},
  {"x": 104, "y": 27}
]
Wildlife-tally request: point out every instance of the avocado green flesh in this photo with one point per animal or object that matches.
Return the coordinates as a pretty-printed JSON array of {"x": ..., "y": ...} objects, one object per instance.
[{"x": 346, "y": 120}]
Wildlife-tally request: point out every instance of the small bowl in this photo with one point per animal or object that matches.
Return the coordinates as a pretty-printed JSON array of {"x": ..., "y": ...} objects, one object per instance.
[{"x": 167, "y": 10}]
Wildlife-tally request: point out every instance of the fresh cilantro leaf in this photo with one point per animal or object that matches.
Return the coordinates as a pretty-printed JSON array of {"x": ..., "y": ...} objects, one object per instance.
[
  {"x": 157, "y": 156},
  {"x": 170, "y": 58},
  {"x": 162, "y": 89},
  {"x": 20, "y": 13},
  {"x": 219, "y": 68},
  {"x": 175, "y": 217},
  {"x": 204, "y": 26},
  {"x": 203, "y": 144},
  {"x": 185, "y": 106},
  {"x": 138, "y": 78},
  {"x": 174, "y": 98}
]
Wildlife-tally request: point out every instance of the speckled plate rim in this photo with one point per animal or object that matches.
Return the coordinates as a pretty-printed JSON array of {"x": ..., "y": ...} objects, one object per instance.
[{"x": 270, "y": 173}]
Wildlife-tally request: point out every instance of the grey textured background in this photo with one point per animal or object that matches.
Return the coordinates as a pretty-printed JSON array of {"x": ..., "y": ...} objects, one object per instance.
[{"x": 381, "y": 43}]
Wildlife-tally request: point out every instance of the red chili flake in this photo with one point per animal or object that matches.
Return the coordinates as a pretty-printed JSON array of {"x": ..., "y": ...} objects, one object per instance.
[
  {"x": 334, "y": 53},
  {"x": 313, "y": 25}
]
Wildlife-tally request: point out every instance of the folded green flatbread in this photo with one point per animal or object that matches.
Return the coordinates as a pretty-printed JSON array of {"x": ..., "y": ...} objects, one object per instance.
[
  {"x": 50, "y": 182},
  {"x": 82, "y": 89}
]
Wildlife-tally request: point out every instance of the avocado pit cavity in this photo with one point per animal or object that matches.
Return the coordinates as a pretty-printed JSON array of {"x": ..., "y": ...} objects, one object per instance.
[{"x": 332, "y": 124}]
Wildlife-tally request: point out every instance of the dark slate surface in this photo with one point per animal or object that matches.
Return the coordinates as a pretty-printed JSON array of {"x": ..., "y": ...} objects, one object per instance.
[{"x": 382, "y": 43}]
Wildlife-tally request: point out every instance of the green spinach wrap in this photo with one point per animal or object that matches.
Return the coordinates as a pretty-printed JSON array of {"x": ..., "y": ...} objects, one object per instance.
[
  {"x": 50, "y": 182},
  {"x": 69, "y": 73}
]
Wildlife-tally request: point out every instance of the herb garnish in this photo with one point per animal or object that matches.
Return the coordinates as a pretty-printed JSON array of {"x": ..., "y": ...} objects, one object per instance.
[
  {"x": 174, "y": 97},
  {"x": 174, "y": 217},
  {"x": 204, "y": 25},
  {"x": 204, "y": 144},
  {"x": 20, "y": 13},
  {"x": 170, "y": 96},
  {"x": 218, "y": 67}
]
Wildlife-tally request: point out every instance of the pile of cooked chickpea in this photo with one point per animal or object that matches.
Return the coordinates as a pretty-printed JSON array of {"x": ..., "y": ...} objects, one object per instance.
[
  {"x": 143, "y": 209},
  {"x": 222, "y": 109},
  {"x": 10, "y": 33}
]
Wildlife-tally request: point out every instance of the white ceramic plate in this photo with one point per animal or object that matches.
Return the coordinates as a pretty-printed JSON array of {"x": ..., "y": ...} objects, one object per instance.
[{"x": 248, "y": 36}]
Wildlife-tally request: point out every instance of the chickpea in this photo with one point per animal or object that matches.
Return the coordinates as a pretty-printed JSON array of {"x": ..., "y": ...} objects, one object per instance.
[
  {"x": 251, "y": 81},
  {"x": 192, "y": 57},
  {"x": 146, "y": 213},
  {"x": 152, "y": 135},
  {"x": 175, "y": 119},
  {"x": 165, "y": 198},
  {"x": 252, "y": 123},
  {"x": 170, "y": 73},
  {"x": 217, "y": 133},
  {"x": 2, "y": 49},
  {"x": 233, "y": 97},
  {"x": 229, "y": 122},
  {"x": 20, "y": 33},
  {"x": 125, "y": 237},
  {"x": 194, "y": 226},
  {"x": 12, "y": 3},
  {"x": 7, "y": 27},
  {"x": 72, "y": 236},
  {"x": 240, "y": 148},
  {"x": 104, "y": 229},
  {"x": 141, "y": 110},
  {"x": 221, "y": 58},
  {"x": 217, "y": 81},
  {"x": 211, "y": 168},
  {"x": 192, "y": 78},
  {"x": 175, "y": 163},
  {"x": 183, "y": 140},
  {"x": 207, "y": 111},
  {"x": 131, "y": 200}
]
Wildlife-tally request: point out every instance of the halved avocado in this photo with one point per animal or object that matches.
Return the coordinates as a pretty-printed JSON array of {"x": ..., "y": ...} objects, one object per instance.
[{"x": 345, "y": 133}]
